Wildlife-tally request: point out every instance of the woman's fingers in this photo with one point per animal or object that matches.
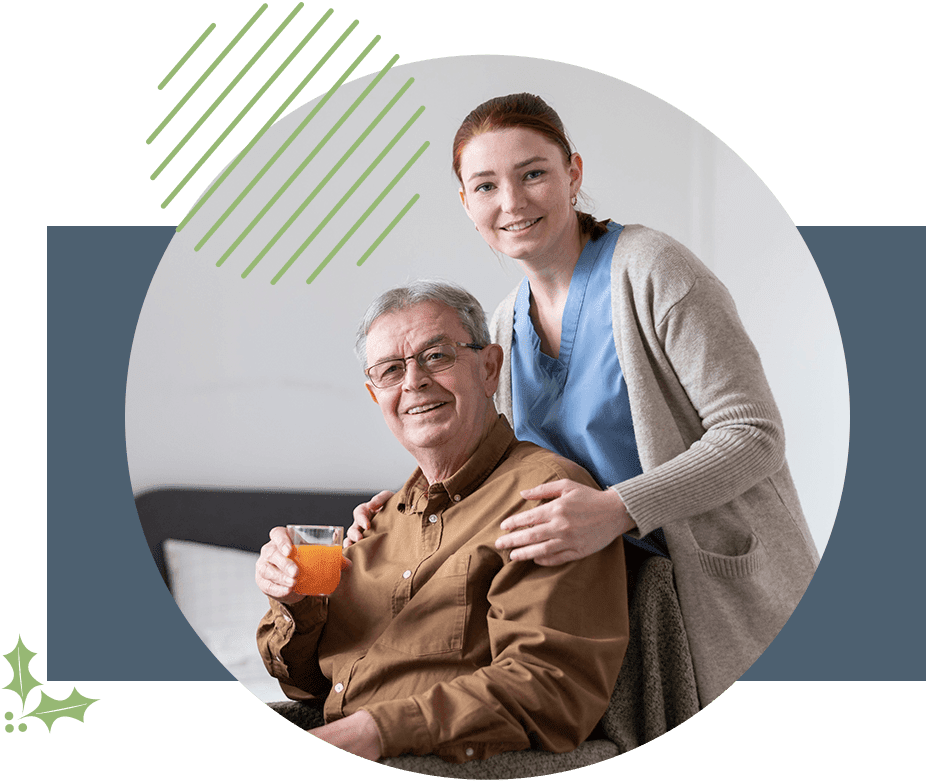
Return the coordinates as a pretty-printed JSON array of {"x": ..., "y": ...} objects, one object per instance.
[
  {"x": 524, "y": 535},
  {"x": 576, "y": 521},
  {"x": 552, "y": 551},
  {"x": 564, "y": 556},
  {"x": 530, "y": 518},
  {"x": 380, "y": 498},
  {"x": 543, "y": 513},
  {"x": 363, "y": 516},
  {"x": 364, "y": 513},
  {"x": 552, "y": 489}
]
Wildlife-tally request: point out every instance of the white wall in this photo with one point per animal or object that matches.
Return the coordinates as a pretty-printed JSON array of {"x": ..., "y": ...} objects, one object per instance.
[{"x": 239, "y": 383}]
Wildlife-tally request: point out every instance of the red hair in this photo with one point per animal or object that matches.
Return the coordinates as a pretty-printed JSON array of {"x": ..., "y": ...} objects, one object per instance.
[{"x": 521, "y": 110}]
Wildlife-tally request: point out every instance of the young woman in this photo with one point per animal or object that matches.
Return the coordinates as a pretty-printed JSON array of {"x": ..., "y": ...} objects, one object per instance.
[{"x": 625, "y": 353}]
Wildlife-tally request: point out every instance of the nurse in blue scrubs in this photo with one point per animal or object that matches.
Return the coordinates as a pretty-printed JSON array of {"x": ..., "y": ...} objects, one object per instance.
[
  {"x": 575, "y": 404},
  {"x": 521, "y": 199}
]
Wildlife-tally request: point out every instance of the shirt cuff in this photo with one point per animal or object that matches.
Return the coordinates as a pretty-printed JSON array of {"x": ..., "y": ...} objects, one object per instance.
[
  {"x": 304, "y": 614},
  {"x": 404, "y": 730},
  {"x": 402, "y": 727},
  {"x": 285, "y": 621}
]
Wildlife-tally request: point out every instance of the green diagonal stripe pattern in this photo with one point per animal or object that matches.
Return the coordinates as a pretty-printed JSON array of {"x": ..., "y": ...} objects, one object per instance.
[
  {"x": 369, "y": 212},
  {"x": 206, "y": 74},
  {"x": 179, "y": 65},
  {"x": 276, "y": 115},
  {"x": 285, "y": 145},
  {"x": 215, "y": 104},
  {"x": 245, "y": 110},
  {"x": 299, "y": 169},
  {"x": 334, "y": 169},
  {"x": 381, "y": 237},
  {"x": 350, "y": 192}
]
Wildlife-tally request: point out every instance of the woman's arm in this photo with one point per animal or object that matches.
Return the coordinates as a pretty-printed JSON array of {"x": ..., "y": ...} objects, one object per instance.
[
  {"x": 698, "y": 343},
  {"x": 712, "y": 383}
]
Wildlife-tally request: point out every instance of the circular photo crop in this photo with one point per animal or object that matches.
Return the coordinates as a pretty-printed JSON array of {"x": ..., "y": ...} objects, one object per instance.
[{"x": 612, "y": 421}]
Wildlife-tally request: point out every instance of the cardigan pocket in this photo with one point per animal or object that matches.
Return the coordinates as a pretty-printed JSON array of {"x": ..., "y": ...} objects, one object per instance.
[{"x": 733, "y": 566}]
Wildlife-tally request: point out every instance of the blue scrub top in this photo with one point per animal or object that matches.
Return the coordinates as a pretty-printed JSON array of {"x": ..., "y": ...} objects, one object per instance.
[{"x": 577, "y": 404}]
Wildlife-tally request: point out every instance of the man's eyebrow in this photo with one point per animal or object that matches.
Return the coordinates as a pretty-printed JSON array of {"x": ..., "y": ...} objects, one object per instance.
[
  {"x": 436, "y": 340},
  {"x": 490, "y": 173}
]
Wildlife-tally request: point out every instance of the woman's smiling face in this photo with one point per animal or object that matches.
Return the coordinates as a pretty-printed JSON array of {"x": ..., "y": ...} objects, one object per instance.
[{"x": 518, "y": 190}]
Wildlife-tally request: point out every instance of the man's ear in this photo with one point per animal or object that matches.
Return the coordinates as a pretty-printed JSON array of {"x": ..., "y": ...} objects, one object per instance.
[
  {"x": 372, "y": 393},
  {"x": 492, "y": 358}
]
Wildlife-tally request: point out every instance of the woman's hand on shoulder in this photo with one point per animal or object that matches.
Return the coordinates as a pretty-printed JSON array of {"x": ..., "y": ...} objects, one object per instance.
[
  {"x": 577, "y": 521},
  {"x": 363, "y": 516}
]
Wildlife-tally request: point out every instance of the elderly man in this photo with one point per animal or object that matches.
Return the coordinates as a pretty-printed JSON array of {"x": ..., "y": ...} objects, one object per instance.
[{"x": 436, "y": 642}]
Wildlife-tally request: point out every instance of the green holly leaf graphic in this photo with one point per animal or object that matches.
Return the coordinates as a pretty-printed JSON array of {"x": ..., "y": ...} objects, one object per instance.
[
  {"x": 49, "y": 709},
  {"x": 23, "y": 682}
]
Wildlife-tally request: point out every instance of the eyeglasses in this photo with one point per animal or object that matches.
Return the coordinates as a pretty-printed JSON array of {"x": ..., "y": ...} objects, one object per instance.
[{"x": 433, "y": 359}]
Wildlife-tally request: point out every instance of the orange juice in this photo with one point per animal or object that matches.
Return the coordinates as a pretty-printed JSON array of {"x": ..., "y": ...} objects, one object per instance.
[{"x": 319, "y": 568}]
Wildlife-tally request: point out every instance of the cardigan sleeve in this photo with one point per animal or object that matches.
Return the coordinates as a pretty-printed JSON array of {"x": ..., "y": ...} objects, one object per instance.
[{"x": 724, "y": 406}]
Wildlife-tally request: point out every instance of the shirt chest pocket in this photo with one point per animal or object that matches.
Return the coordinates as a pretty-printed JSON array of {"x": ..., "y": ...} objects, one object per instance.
[{"x": 433, "y": 621}]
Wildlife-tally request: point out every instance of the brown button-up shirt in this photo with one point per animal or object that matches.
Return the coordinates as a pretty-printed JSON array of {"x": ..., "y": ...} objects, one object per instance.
[{"x": 451, "y": 647}]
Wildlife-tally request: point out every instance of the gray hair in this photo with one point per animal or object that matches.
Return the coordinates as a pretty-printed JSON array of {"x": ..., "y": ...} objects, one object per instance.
[{"x": 458, "y": 299}]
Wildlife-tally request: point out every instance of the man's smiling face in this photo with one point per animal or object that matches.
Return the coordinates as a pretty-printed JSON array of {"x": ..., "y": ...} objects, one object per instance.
[{"x": 440, "y": 419}]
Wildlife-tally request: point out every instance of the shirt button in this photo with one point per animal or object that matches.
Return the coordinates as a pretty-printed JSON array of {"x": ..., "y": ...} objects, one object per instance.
[
  {"x": 406, "y": 574},
  {"x": 432, "y": 519},
  {"x": 469, "y": 751},
  {"x": 339, "y": 687},
  {"x": 457, "y": 498}
]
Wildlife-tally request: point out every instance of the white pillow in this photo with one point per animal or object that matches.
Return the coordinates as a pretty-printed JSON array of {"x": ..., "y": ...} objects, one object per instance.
[{"x": 214, "y": 588}]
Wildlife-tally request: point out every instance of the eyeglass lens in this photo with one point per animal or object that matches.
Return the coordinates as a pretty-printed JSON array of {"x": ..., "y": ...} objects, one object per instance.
[{"x": 433, "y": 359}]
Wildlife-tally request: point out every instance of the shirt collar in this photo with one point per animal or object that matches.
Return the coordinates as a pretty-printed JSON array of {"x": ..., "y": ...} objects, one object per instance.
[{"x": 469, "y": 477}]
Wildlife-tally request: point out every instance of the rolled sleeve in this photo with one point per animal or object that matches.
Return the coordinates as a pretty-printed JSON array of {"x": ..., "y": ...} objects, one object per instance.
[{"x": 287, "y": 638}]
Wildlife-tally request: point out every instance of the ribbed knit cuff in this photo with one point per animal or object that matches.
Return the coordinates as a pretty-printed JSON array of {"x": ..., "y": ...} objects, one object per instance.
[{"x": 729, "y": 459}]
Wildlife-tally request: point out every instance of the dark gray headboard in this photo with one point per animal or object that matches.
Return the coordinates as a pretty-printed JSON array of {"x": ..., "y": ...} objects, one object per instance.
[{"x": 238, "y": 519}]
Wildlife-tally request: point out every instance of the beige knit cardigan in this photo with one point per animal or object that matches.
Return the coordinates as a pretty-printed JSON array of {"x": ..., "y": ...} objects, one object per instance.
[{"x": 712, "y": 448}]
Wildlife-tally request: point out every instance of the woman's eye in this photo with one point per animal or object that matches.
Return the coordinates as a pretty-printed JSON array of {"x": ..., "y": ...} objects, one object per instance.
[
  {"x": 533, "y": 174},
  {"x": 485, "y": 187}
]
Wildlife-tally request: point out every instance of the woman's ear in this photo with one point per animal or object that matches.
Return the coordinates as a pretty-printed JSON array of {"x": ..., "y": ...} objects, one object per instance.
[
  {"x": 575, "y": 172},
  {"x": 465, "y": 205}
]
